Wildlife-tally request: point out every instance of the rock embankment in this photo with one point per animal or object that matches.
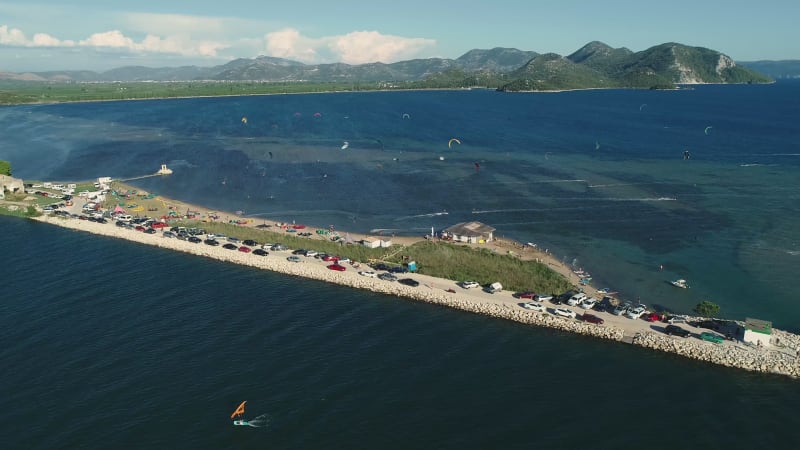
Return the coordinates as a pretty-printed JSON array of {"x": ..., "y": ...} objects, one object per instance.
[
  {"x": 781, "y": 358},
  {"x": 781, "y": 361}
]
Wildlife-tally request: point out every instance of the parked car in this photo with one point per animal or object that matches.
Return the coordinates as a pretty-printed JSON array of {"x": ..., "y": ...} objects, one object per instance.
[
  {"x": 533, "y": 306},
  {"x": 212, "y": 242},
  {"x": 381, "y": 266},
  {"x": 711, "y": 337},
  {"x": 398, "y": 269},
  {"x": 621, "y": 309},
  {"x": 149, "y": 231},
  {"x": 527, "y": 295},
  {"x": 588, "y": 303},
  {"x": 311, "y": 253},
  {"x": 409, "y": 282},
  {"x": 168, "y": 234},
  {"x": 676, "y": 319},
  {"x": 564, "y": 312},
  {"x": 234, "y": 240},
  {"x": 337, "y": 267},
  {"x": 279, "y": 247},
  {"x": 344, "y": 259},
  {"x": 469, "y": 284},
  {"x": 230, "y": 246},
  {"x": 674, "y": 330},
  {"x": 299, "y": 251},
  {"x": 245, "y": 249},
  {"x": 576, "y": 298},
  {"x": 635, "y": 312},
  {"x": 330, "y": 258},
  {"x": 591, "y": 318},
  {"x": 652, "y": 317},
  {"x": 368, "y": 274},
  {"x": 260, "y": 252},
  {"x": 250, "y": 242},
  {"x": 293, "y": 258},
  {"x": 543, "y": 298},
  {"x": 494, "y": 288},
  {"x": 386, "y": 276},
  {"x": 194, "y": 239}
]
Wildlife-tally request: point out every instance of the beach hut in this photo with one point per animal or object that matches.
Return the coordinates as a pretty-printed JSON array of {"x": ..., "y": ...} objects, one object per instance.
[
  {"x": 470, "y": 232},
  {"x": 757, "y": 332}
]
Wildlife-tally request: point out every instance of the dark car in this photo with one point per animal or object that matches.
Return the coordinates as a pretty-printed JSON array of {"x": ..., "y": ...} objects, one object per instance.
[
  {"x": 260, "y": 252},
  {"x": 299, "y": 251},
  {"x": 386, "y": 276},
  {"x": 409, "y": 282},
  {"x": 150, "y": 231},
  {"x": 119, "y": 223},
  {"x": 674, "y": 330},
  {"x": 211, "y": 242},
  {"x": 250, "y": 242},
  {"x": 398, "y": 269},
  {"x": 591, "y": 318},
  {"x": 230, "y": 246},
  {"x": 381, "y": 266},
  {"x": 194, "y": 239},
  {"x": 102, "y": 220}
]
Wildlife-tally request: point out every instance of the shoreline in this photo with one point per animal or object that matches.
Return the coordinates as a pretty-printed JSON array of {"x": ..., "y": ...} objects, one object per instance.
[{"x": 781, "y": 360}]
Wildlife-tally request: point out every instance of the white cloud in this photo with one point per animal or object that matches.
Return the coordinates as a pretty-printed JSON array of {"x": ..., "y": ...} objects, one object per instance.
[
  {"x": 176, "y": 24},
  {"x": 361, "y": 47},
  {"x": 357, "y": 47},
  {"x": 115, "y": 39},
  {"x": 288, "y": 43}
]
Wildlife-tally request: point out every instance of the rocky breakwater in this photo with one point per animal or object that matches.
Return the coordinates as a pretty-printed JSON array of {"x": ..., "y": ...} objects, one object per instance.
[{"x": 778, "y": 360}]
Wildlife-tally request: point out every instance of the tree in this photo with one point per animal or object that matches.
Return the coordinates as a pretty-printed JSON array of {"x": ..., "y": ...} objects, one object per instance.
[
  {"x": 5, "y": 168},
  {"x": 707, "y": 308}
]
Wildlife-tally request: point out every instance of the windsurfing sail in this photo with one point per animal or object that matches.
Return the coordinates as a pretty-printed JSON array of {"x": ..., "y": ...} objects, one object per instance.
[
  {"x": 450, "y": 142},
  {"x": 707, "y": 130},
  {"x": 244, "y": 120},
  {"x": 345, "y": 145},
  {"x": 239, "y": 411}
]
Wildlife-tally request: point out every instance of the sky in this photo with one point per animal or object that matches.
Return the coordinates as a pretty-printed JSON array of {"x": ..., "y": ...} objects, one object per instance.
[{"x": 41, "y": 35}]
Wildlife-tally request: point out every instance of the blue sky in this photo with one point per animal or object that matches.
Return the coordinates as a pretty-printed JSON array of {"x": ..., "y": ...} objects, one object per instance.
[{"x": 103, "y": 34}]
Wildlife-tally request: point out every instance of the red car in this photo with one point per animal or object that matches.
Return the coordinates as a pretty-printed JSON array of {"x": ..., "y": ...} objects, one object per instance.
[
  {"x": 245, "y": 249},
  {"x": 139, "y": 228},
  {"x": 157, "y": 225},
  {"x": 337, "y": 267},
  {"x": 330, "y": 258},
  {"x": 591, "y": 318},
  {"x": 527, "y": 295},
  {"x": 652, "y": 317}
]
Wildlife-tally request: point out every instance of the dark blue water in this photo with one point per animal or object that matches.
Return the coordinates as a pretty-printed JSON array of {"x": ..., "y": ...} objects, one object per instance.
[{"x": 112, "y": 345}]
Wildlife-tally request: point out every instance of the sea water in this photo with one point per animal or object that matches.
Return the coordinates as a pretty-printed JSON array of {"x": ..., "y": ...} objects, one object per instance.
[{"x": 108, "y": 343}]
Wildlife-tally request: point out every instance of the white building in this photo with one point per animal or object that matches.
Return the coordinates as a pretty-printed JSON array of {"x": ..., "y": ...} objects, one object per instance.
[
  {"x": 470, "y": 232},
  {"x": 757, "y": 332},
  {"x": 376, "y": 243},
  {"x": 10, "y": 184}
]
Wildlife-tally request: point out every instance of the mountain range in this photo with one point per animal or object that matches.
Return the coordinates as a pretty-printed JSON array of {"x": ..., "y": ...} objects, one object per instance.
[{"x": 595, "y": 65}]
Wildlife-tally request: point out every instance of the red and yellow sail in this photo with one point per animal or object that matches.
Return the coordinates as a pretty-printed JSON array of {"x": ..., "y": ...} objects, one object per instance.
[{"x": 239, "y": 411}]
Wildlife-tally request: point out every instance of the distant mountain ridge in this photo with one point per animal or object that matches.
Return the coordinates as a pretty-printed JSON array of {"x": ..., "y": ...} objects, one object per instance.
[
  {"x": 595, "y": 65},
  {"x": 784, "y": 69}
]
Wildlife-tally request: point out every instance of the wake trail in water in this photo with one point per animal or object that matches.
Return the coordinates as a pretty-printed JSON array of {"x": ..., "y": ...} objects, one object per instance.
[
  {"x": 259, "y": 421},
  {"x": 443, "y": 213}
]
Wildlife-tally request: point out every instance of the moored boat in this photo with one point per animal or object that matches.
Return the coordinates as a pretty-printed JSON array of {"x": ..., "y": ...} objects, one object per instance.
[{"x": 680, "y": 283}]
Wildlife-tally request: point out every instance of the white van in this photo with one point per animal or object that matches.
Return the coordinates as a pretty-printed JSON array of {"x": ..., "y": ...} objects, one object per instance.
[
  {"x": 124, "y": 217},
  {"x": 494, "y": 288}
]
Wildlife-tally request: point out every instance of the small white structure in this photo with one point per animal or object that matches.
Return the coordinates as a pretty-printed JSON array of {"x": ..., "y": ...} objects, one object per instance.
[
  {"x": 376, "y": 243},
  {"x": 757, "y": 332},
  {"x": 164, "y": 170},
  {"x": 104, "y": 180},
  {"x": 470, "y": 232}
]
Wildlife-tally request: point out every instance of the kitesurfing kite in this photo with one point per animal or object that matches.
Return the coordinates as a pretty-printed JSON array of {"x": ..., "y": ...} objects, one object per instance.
[
  {"x": 345, "y": 145},
  {"x": 642, "y": 106},
  {"x": 706, "y": 130},
  {"x": 450, "y": 142},
  {"x": 239, "y": 413},
  {"x": 317, "y": 115},
  {"x": 406, "y": 116},
  {"x": 596, "y": 145},
  {"x": 244, "y": 120},
  {"x": 270, "y": 155}
]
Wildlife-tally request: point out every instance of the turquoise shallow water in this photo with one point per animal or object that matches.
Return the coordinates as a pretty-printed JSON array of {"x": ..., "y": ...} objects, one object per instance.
[{"x": 146, "y": 349}]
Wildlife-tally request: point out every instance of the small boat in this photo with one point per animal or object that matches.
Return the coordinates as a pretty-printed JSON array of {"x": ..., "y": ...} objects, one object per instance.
[
  {"x": 679, "y": 283},
  {"x": 607, "y": 291}
]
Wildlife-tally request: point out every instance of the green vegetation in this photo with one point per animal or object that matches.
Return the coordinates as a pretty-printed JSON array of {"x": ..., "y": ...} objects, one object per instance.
[
  {"x": 438, "y": 259},
  {"x": 19, "y": 211},
  {"x": 707, "y": 309},
  {"x": 5, "y": 168},
  {"x": 16, "y": 92}
]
